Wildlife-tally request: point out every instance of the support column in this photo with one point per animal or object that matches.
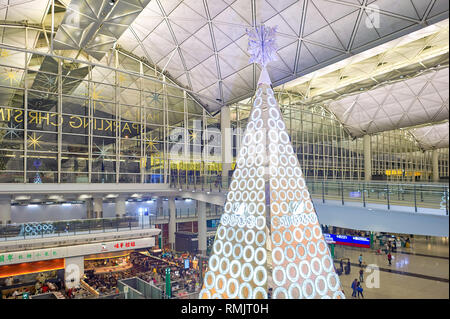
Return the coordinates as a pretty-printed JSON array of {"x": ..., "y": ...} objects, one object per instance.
[
  {"x": 227, "y": 154},
  {"x": 98, "y": 207},
  {"x": 73, "y": 271},
  {"x": 89, "y": 208},
  {"x": 172, "y": 222},
  {"x": 5, "y": 210},
  {"x": 367, "y": 158},
  {"x": 159, "y": 207},
  {"x": 201, "y": 224},
  {"x": 120, "y": 207},
  {"x": 435, "y": 165}
]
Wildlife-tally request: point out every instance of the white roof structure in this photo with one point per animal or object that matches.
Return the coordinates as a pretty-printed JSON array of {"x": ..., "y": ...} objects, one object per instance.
[{"x": 433, "y": 136}]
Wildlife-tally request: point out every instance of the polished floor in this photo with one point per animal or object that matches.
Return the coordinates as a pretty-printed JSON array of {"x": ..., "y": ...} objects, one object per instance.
[{"x": 421, "y": 271}]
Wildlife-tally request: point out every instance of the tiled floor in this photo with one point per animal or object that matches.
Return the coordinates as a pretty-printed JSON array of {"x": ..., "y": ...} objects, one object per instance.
[{"x": 417, "y": 276}]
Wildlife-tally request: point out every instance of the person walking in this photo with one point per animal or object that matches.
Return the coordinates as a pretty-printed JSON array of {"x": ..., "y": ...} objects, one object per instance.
[
  {"x": 359, "y": 288},
  {"x": 361, "y": 275},
  {"x": 389, "y": 257},
  {"x": 354, "y": 286},
  {"x": 360, "y": 260}
]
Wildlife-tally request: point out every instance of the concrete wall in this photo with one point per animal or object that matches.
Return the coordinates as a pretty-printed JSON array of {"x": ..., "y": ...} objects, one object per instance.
[{"x": 39, "y": 213}]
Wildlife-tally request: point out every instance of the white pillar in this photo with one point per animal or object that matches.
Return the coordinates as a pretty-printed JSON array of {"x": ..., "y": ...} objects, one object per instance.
[
  {"x": 367, "y": 158},
  {"x": 435, "y": 165},
  {"x": 201, "y": 224},
  {"x": 227, "y": 154},
  {"x": 172, "y": 222},
  {"x": 120, "y": 206},
  {"x": 74, "y": 271},
  {"x": 5, "y": 210},
  {"x": 89, "y": 208},
  {"x": 98, "y": 207}
]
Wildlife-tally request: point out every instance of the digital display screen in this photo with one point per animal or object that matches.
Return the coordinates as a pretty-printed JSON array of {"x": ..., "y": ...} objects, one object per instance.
[
  {"x": 354, "y": 241},
  {"x": 186, "y": 264}
]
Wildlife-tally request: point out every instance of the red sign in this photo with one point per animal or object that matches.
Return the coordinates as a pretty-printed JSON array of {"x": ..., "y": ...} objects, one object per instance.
[{"x": 128, "y": 244}]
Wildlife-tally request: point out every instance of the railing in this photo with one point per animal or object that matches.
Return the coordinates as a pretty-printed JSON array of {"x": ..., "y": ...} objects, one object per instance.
[
  {"x": 72, "y": 227},
  {"x": 387, "y": 194}
]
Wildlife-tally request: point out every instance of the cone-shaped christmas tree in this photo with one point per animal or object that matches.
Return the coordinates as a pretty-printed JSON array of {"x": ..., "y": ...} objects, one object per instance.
[{"x": 269, "y": 235}]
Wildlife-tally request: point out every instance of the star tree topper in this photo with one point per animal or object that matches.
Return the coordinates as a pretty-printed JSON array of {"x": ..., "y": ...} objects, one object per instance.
[{"x": 261, "y": 44}]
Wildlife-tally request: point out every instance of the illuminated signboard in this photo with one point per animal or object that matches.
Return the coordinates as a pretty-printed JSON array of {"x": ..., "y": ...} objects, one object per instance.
[
  {"x": 125, "y": 245},
  {"x": 354, "y": 241}
]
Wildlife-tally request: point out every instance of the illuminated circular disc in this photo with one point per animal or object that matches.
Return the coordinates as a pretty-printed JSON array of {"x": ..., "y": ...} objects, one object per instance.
[
  {"x": 259, "y": 124},
  {"x": 284, "y": 138},
  {"x": 281, "y": 149},
  {"x": 305, "y": 194},
  {"x": 251, "y": 221},
  {"x": 218, "y": 245},
  {"x": 232, "y": 288},
  {"x": 277, "y": 239},
  {"x": 289, "y": 149},
  {"x": 247, "y": 272},
  {"x": 271, "y": 100},
  {"x": 235, "y": 268},
  {"x": 260, "y": 183},
  {"x": 280, "y": 293},
  {"x": 269, "y": 91},
  {"x": 237, "y": 251},
  {"x": 296, "y": 220},
  {"x": 234, "y": 185},
  {"x": 311, "y": 249},
  {"x": 273, "y": 148},
  {"x": 260, "y": 172},
  {"x": 327, "y": 263},
  {"x": 298, "y": 234},
  {"x": 292, "y": 272},
  {"x": 281, "y": 171},
  {"x": 316, "y": 266},
  {"x": 220, "y": 284},
  {"x": 243, "y": 151},
  {"x": 281, "y": 125},
  {"x": 260, "y": 209},
  {"x": 292, "y": 183},
  {"x": 275, "y": 208},
  {"x": 259, "y": 293},
  {"x": 251, "y": 208},
  {"x": 210, "y": 279},
  {"x": 274, "y": 183},
  {"x": 251, "y": 172},
  {"x": 260, "y": 238},
  {"x": 317, "y": 232},
  {"x": 258, "y": 102},
  {"x": 259, "y": 160},
  {"x": 289, "y": 171},
  {"x": 282, "y": 196},
  {"x": 230, "y": 196},
  {"x": 312, "y": 216},
  {"x": 278, "y": 255},
  {"x": 250, "y": 126},
  {"x": 225, "y": 219},
  {"x": 258, "y": 92},
  {"x": 333, "y": 281},
  {"x": 295, "y": 287},
  {"x": 227, "y": 249},
  {"x": 310, "y": 208},
  {"x": 322, "y": 247},
  {"x": 245, "y": 196},
  {"x": 213, "y": 263},
  {"x": 275, "y": 222},
  {"x": 259, "y": 149},
  {"x": 237, "y": 196},
  {"x": 249, "y": 236},
  {"x": 250, "y": 161},
  {"x": 251, "y": 150},
  {"x": 244, "y": 173},
  {"x": 233, "y": 220},
  {"x": 256, "y": 114},
  {"x": 283, "y": 160},
  {"x": 273, "y": 113},
  {"x": 289, "y": 253},
  {"x": 250, "y": 184},
  {"x": 319, "y": 282},
  {"x": 228, "y": 207},
  {"x": 224, "y": 265},
  {"x": 243, "y": 184},
  {"x": 338, "y": 295},
  {"x": 284, "y": 207},
  {"x": 297, "y": 171},
  {"x": 298, "y": 195},
  {"x": 290, "y": 195},
  {"x": 242, "y": 221},
  {"x": 273, "y": 136},
  {"x": 240, "y": 235},
  {"x": 272, "y": 124},
  {"x": 247, "y": 140},
  {"x": 252, "y": 196},
  {"x": 307, "y": 230},
  {"x": 245, "y": 291},
  {"x": 308, "y": 283},
  {"x": 304, "y": 269},
  {"x": 260, "y": 275},
  {"x": 258, "y": 138},
  {"x": 221, "y": 232},
  {"x": 292, "y": 160},
  {"x": 260, "y": 255},
  {"x": 287, "y": 236},
  {"x": 279, "y": 276},
  {"x": 274, "y": 195}
]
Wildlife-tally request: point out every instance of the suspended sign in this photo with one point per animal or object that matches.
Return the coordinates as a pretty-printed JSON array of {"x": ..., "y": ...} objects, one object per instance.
[{"x": 354, "y": 241}]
